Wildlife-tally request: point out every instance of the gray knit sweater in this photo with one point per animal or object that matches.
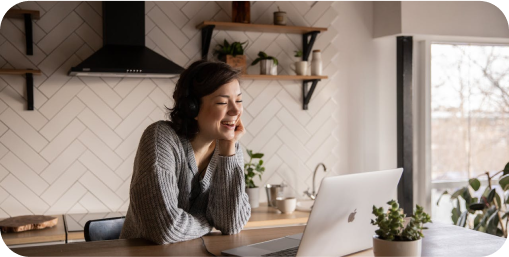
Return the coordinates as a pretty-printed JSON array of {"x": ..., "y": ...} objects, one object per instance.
[{"x": 169, "y": 202}]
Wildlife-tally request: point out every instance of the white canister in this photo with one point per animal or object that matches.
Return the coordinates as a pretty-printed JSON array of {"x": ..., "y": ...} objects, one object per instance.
[{"x": 316, "y": 63}]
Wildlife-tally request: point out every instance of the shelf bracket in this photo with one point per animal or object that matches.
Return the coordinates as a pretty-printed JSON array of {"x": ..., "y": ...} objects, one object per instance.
[
  {"x": 29, "y": 34},
  {"x": 306, "y": 94},
  {"x": 308, "y": 40},
  {"x": 206, "y": 36},
  {"x": 30, "y": 91}
]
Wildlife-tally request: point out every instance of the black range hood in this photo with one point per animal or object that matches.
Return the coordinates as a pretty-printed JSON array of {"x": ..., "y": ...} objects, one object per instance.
[{"x": 124, "y": 53}]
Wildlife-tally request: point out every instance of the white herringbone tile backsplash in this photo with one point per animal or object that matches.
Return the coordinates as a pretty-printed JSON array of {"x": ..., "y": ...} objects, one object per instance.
[{"x": 75, "y": 152}]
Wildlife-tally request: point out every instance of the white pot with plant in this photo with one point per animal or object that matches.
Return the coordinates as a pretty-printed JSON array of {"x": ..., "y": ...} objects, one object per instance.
[
  {"x": 394, "y": 239},
  {"x": 250, "y": 171},
  {"x": 268, "y": 64},
  {"x": 300, "y": 67}
]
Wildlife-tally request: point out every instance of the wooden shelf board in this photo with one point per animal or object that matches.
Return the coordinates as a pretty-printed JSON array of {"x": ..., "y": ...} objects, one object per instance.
[
  {"x": 281, "y": 77},
  {"x": 18, "y": 72},
  {"x": 18, "y": 13},
  {"x": 259, "y": 27}
]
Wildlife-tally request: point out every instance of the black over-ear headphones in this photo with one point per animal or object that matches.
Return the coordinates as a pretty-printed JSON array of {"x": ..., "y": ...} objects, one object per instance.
[{"x": 192, "y": 104}]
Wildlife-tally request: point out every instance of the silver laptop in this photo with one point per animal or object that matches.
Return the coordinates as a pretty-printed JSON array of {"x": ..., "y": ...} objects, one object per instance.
[{"x": 339, "y": 223}]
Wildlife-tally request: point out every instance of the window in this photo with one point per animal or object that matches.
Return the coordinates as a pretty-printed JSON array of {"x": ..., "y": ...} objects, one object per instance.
[{"x": 469, "y": 116}]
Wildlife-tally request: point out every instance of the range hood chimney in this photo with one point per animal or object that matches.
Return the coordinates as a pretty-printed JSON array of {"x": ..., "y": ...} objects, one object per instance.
[{"x": 124, "y": 53}]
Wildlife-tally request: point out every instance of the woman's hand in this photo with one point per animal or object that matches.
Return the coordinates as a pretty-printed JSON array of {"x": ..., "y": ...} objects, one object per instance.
[{"x": 227, "y": 147}]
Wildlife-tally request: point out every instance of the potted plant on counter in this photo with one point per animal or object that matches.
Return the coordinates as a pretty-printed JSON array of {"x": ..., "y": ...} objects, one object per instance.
[
  {"x": 250, "y": 171},
  {"x": 268, "y": 64},
  {"x": 232, "y": 54},
  {"x": 394, "y": 239}
]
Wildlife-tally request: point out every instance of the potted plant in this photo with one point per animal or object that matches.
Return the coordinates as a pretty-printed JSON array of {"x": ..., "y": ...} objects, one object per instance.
[
  {"x": 252, "y": 169},
  {"x": 487, "y": 211},
  {"x": 301, "y": 67},
  {"x": 268, "y": 64},
  {"x": 232, "y": 54},
  {"x": 394, "y": 239}
]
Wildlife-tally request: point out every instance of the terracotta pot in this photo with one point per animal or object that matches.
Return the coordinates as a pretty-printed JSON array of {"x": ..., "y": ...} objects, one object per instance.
[
  {"x": 396, "y": 248},
  {"x": 254, "y": 196}
]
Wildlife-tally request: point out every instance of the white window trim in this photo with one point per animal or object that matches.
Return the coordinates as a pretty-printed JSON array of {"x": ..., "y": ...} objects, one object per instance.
[{"x": 422, "y": 108}]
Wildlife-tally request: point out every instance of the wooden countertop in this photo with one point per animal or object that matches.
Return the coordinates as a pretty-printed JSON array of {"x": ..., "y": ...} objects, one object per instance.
[
  {"x": 440, "y": 240},
  {"x": 265, "y": 216},
  {"x": 261, "y": 217},
  {"x": 53, "y": 234}
]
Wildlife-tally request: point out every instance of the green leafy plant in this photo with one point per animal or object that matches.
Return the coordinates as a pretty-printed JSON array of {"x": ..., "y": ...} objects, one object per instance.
[
  {"x": 253, "y": 169},
  {"x": 390, "y": 223},
  {"x": 264, "y": 56},
  {"x": 486, "y": 213},
  {"x": 298, "y": 53},
  {"x": 235, "y": 48}
]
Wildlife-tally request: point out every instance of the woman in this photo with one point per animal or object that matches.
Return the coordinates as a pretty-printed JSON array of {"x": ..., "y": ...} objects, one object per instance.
[{"x": 188, "y": 172}]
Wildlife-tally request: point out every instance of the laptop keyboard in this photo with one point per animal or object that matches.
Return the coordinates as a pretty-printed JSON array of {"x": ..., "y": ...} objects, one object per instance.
[{"x": 286, "y": 252}]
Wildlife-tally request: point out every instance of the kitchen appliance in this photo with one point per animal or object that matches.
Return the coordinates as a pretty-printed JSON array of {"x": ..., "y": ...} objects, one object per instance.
[
  {"x": 274, "y": 191},
  {"x": 124, "y": 53}
]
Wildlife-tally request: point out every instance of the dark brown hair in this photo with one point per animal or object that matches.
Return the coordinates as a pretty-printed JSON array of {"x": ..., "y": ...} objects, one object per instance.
[{"x": 200, "y": 79}]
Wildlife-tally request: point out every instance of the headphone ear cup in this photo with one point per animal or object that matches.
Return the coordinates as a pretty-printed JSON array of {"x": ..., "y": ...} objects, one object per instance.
[{"x": 193, "y": 107}]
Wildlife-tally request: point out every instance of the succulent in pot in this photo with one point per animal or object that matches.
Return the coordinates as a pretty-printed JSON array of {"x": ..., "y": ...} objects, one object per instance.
[
  {"x": 232, "y": 54},
  {"x": 252, "y": 169},
  {"x": 268, "y": 64},
  {"x": 394, "y": 239}
]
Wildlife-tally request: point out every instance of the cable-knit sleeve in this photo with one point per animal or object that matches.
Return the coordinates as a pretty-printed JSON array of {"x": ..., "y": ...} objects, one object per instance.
[
  {"x": 153, "y": 209},
  {"x": 228, "y": 207}
]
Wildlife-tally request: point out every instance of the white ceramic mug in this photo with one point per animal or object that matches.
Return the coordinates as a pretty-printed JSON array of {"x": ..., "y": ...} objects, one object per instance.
[
  {"x": 301, "y": 68},
  {"x": 286, "y": 205}
]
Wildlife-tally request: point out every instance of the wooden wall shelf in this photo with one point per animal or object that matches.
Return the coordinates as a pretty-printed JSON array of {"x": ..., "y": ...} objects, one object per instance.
[
  {"x": 281, "y": 77},
  {"x": 29, "y": 83},
  {"x": 308, "y": 39},
  {"x": 28, "y": 16},
  {"x": 19, "y": 72},
  {"x": 267, "y": 28},
  {"x": 19, "y": 13}
]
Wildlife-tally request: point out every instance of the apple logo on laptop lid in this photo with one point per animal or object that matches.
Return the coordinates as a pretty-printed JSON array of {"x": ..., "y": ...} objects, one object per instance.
[{"x": 351, "y": 217}]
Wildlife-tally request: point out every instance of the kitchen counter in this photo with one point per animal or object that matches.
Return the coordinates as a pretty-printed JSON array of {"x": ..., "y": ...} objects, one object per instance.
[
  {"x": 261, "y": 217},
  {"x": 439, "y": 240},
  {"x": 55, "y": 234}
]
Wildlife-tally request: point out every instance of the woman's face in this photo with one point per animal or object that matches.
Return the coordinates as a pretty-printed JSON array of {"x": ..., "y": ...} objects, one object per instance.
[{"x": 220, "y": 111}]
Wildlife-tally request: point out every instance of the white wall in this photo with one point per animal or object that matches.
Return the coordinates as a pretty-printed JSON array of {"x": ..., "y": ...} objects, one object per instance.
[
  {"x": 471, "y": 19},
  {"x": 74, "y": 153}
]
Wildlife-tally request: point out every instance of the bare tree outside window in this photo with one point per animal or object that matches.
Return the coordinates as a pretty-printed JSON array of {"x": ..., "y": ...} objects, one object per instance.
[{"x": 469, "y": 115}]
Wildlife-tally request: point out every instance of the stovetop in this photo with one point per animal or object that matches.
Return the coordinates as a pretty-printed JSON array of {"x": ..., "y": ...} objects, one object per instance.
[{"x": 76, "y": 222}]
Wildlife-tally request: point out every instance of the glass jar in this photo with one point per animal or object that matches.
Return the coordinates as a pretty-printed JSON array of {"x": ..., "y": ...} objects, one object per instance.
[{"x": 241, "y": 11}]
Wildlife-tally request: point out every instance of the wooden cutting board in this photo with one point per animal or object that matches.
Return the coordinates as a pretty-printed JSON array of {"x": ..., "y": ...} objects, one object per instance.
[{"x": 27, "y": 222}]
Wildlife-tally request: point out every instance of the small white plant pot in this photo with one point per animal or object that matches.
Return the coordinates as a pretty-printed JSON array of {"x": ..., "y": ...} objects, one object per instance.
[
  {"x": 396, "y": 248},
  {"x": 254, "y": 196}
]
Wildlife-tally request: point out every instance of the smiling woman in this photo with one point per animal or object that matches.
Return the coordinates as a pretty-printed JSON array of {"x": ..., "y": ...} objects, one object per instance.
[{"x": 188, "y": 172}]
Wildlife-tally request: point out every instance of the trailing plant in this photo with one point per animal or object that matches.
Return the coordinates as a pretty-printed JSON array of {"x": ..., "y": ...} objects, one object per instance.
[
  {"x": 487, "y": 213},
  {"x": 298, "y": 53},
  {"x": 390, "y": 223},
  {"x": 234, "y": 49},
  {"x": 263, "y": 56},
  {"x": 253, "y": 169}
]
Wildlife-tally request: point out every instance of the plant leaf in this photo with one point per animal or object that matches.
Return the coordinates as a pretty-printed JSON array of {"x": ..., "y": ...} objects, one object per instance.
[
  {"x": 257, "y": 155},
  {"x": 506, "y": 169},
  {"x": 477, "y": 206},
  {"x": 475, "y": 184},
  {"x": 255, "y": 61},
  {"x": 491, "y": 195},
  {"x": 504, "y": 182},
  {"x": 463, "y": 219},
  {"x": 457, "y": 193},
  {"x": 455, "y": 215},
  {"x": 444, "y": 193}
]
